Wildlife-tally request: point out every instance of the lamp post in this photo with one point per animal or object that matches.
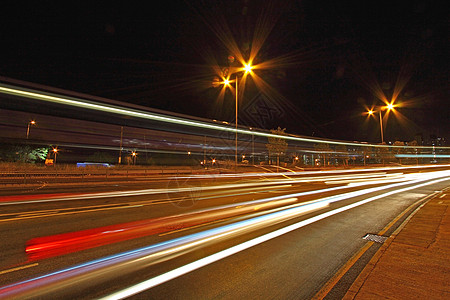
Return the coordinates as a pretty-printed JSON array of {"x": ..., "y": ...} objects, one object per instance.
[
  {"x": 247, "y": 69},
  {"x": 134, "y": 157},
  {"x": 32, "y": 122},
  {"x": 253, "y": 147},
  {"x": 371, "y": 112},
  {"x": 55, "y": 151}
]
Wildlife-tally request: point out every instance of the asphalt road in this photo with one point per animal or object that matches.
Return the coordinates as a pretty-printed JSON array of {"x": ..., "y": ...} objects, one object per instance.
[{"x": 264, "y": 235}]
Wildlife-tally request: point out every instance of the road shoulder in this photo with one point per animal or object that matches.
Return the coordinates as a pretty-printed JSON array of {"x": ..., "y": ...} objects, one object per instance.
[{"x": 413, "y": 262}]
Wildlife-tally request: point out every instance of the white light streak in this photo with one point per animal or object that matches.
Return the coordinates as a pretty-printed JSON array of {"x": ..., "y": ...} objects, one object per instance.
[
  {"x": 152, "y": 282},
  {"x": 139, "y": 258},
  {"x": 82, "y": 103}
]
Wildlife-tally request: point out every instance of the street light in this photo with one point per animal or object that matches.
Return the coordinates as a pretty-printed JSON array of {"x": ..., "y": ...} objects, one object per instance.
[
  {"x": 134, "y": 157},
  {"x": 247, "y": 68},
  {"x": 55, "y": 151},
  {"x": 32, "y": 122},
  {"x": 378, "y": 109}
]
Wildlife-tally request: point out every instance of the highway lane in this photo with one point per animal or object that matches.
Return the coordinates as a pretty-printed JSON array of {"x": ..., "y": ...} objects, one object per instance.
[
  {"x": 22, "y": 220},
  {"x": 293, "y": 266},
  {"x": 21, "y": 230}
]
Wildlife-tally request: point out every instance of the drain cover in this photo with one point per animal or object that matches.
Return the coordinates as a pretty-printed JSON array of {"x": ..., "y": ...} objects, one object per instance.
[{"x": 375, "y": 238}]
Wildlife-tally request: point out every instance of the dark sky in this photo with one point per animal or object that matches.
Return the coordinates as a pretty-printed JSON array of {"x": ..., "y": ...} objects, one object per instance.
[{"x": 330, "y": 59}]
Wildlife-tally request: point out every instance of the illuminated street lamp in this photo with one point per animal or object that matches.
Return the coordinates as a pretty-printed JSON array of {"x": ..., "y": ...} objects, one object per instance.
[
  {"x": 55, "y": 151},
  {"x": 32, "y": 122},
  {"x": 379, "y": 109},
  {"x": 247, "y": 68},
  {"x": 134, "y": 154}
]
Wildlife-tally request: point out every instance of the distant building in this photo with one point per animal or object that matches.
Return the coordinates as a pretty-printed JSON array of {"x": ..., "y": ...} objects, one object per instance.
[{"x": 437, "y": 141}]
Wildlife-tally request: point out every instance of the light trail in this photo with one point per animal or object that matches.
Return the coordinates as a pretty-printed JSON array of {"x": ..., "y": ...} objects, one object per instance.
[
  {"x": 145, "y": 192},
  {"x": 62, "y": 212},
  {"x": 150, "y": 283},
  {"x": 18, "y": 268},
  {"x": 50, "y": 246},
  {"x": 90, "y": 238},
  {"x": 90, "y": 105},
  {"x": 220, "y": 191},
  {"x": 54, "y": 198},
  {"x": 105, "y": 268},
  {"x": 116, "y": 233},
  {"x": 422, "y": 155},
  {"x": 314, "y": 172}
]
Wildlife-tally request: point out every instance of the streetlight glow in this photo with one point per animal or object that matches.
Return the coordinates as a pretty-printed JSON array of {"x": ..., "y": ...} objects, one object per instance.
[
  {"x": 389, "y": 107},
  {"x": 32, "y": 122},
  {"x": 247, "y": 68},
  {"x": 55, "y": 151},
  {"x": 133, "y": 153}
]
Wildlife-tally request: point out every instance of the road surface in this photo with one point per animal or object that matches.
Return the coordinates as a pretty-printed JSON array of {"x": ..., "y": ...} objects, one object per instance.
[{"x": 284, "y": 236}]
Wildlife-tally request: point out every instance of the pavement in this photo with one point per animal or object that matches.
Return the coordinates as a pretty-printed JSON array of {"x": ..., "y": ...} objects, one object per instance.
[{"x": 414, "y": 262}]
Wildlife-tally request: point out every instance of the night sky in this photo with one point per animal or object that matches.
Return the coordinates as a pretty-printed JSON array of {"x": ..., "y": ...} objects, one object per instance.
[{"x": 329, "y": 60}]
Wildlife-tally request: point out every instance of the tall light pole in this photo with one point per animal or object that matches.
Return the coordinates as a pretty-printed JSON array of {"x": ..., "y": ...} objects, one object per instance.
[
  {"x": 388, "y": 107},
  {"x": 371, "y": 112},
  {"x": 32, "y": 122},
  {"x": 236, "y": 132},
  {"x": 253, "y": 147},
  {"x": 247, "y": 69}
]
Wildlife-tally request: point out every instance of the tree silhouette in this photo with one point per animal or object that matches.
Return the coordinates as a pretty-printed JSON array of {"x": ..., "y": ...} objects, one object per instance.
[{"x": 277, "y": 145}]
